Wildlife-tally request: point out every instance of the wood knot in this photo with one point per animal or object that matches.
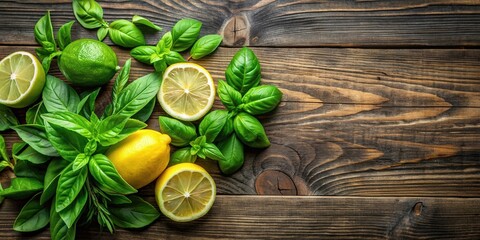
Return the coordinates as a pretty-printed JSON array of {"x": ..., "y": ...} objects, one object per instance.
[
  {"x": 417, "y": 208},
  {"x": 274, "y": 182},
  {"x": 236, "y": 31}
]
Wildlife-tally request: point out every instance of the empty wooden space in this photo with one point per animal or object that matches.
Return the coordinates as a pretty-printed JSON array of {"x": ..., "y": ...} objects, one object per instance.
[{"x": 377, "y": 135}]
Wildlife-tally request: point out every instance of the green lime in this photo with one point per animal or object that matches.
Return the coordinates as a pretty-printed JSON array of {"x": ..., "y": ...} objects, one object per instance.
[
  {"x": 88, "y": 63},
  {"x": 21, "y": 79}
]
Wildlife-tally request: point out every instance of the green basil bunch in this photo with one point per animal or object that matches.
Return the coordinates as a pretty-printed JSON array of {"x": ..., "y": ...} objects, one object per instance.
[
  {"x": 192, "y": 144},
  {"x": 183, "y": 35},
  {"x": 60, "y": 164},
  {"x": 122, "y": 32},
  {"x": 44, "y": 35},
  {"x": 244, "y": 97}
]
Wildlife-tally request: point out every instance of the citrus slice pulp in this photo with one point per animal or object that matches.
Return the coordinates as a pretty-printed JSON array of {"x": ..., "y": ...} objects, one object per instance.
[
  {"x": 185, "y": 192},
  {"x": 187, "y": 91},
  {"x": 21, "y": 79}
]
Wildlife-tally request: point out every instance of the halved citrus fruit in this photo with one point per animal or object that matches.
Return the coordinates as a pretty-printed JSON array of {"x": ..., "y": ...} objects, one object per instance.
[
  {"x": 185, "y": 192},
  {"x": 21, "y": 79},
  {"x": 187, "y": 91}
]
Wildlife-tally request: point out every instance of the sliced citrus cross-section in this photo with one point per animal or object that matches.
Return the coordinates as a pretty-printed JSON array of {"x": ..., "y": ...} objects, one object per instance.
[
  {"x": 21, "y": 79},
  {"x": 185, "y": 192},
  {"x": 187, "y": 91}
]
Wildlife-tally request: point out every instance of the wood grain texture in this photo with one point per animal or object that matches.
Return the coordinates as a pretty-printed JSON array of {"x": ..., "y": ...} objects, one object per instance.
[
  {"x": 356, "y": 122},
  {"x": 262, "y": 217},
  {"x": 277, "y": 23}
]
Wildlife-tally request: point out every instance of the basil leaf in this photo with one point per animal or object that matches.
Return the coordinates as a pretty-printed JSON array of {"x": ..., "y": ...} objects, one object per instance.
[
  {"x": 33, "y": 216},
  {"x": 59, "y": 229},
  {"x": 136, "y": 214},
  {"x": 7, "y": 118},
  {"x": 181, "y": 132},
  {"x": 250, "y": 131},
  {"x": 34, "y": 112},
  {"x": 184, "y": 34},
  {"x": 232, "y": 149},
  {"x": 130, "y": 127},
  {"x": 124, "y": 33},
  {"x": 173, "y": 57},
  {"x": 205, "y": 45},
  {"x": 166, "y": 41},
  {"x": 230, "y": 97},
  {"x": 88, "y": 13},
  {"x": 118, "y": 199},
  {"x": 211, "y": 151},
  {"x": 86, "y": 106},
  {"x": 17, "y": 147},
  {"x": 69, "y": 186},
  {"x": 21, "y": 188},
  {"x": 102, "y": 33},
  {"x": 67, "y": 143},
  {"x": 145, "y": 113},
  {"x": 70, "y": 121},
  {"x": 71, "y": 213},
  {"x": 65, "y": 35},
  {"x": 46, "y": 61},
  {"x": 27, "y": 169},
  {"x": 4, "y": 164},
  {"x": 137, "y": 95},
  {"x": 261, "y": 99},
  {"x": 80, "y": 161},
  {"x": 107, "y": 177},
  {"x": 31, "y": 155},
  {"x": 42, "y": 53},
  {"x": 58, "y": 96},
  {"x": 109, "y": 128},
  {"x": 3, "y": 149},
  {"x": 139, "y": 20},
  {"x": 244, "y": 71},
  {"x": 1, "y": 197},
  {"x": 226, "y": 130},
  {"x": 160, "y": 66},
  {"x": 35, "y": 136},
  {"x": 182, "y": 155},
  {"x": 44, "y": 33},
  {"x": 50, "y": 181},
  {"x": 143, "y": 53},
  {"x": 212, "y": 124},
  {"x": 121, "y": 80}
]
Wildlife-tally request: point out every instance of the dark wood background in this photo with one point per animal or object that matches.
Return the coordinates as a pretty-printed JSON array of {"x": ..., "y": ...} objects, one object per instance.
[{"x": 377, "y": 135}]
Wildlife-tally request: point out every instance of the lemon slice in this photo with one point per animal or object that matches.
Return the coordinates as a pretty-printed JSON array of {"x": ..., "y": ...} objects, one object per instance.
[
  {"x": 21, "y": 79},
  {"x": 185, "y": 192},
  {"x": 187, "y": 91}
]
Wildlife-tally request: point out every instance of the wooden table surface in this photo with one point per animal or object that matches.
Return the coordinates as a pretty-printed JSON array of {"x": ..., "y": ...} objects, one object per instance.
[{"x": 377, "y": 135}]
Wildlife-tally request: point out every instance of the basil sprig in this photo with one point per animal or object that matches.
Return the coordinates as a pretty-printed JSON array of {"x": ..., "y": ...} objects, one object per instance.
[
  {"x": 44, "y": 35},
  {"x": 122, "y": 32},
  {"x": 192, "y": 145},
  {"x": 61, "y": 166},
  {"x": 183, "y": 35}
]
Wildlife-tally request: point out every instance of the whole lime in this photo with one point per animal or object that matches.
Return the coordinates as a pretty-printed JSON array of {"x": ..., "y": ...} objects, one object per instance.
[{"x": 88, "y": 63}]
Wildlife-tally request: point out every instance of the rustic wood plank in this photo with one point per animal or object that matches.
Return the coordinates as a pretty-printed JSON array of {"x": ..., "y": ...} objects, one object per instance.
[
  {"x": 269, "y": 217},
  {"x": 356, "y": 122},
  {"x": 277, "y": 23}
]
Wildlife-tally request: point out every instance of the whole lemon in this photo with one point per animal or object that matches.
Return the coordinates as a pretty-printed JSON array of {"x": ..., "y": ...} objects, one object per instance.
[
  {"x": 88, "y": 63},
  {"x": 141, "y": 157}
]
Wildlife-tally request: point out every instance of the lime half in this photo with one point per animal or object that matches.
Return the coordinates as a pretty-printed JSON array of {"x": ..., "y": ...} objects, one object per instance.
[{"x": 21, "y": 79}]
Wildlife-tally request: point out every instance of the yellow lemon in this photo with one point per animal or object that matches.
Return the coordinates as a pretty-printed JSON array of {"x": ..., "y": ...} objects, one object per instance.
[
  {"x": 141, "y": 157},
  {"x": 185, "y": 192},
  {"x": 187, "y": 91}
]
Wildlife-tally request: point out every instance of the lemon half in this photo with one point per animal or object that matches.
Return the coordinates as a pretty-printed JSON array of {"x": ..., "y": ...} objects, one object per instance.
[
  {"x": 187, "y": 91},
  {"x": 21, "y": 79},
  {"x": 185, "y": 192}
]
